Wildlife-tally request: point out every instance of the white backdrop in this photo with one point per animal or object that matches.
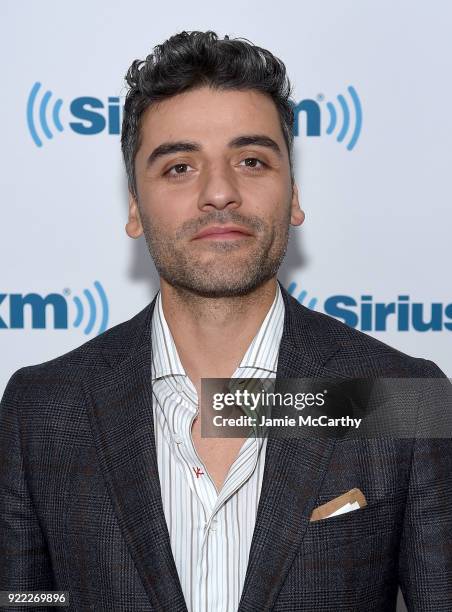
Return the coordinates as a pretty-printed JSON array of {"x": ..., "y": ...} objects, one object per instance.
[{"x": 377, "y": 216}]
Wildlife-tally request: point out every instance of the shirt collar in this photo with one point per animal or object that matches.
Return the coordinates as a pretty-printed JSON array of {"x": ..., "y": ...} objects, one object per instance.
[
  {"x": 165, "y": 358},
  {"x": 262, "y": 352}
]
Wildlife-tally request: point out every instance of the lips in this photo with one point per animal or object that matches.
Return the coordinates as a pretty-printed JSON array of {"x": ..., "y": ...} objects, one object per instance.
[{"x": 227, "y": 231}]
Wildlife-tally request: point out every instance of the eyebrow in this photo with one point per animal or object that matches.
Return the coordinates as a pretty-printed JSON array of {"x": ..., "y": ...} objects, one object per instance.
[{"x": 186, "y": 146}]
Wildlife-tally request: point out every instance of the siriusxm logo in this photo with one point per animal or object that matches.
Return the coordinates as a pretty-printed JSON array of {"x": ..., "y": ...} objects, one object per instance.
[
  {"x": 350, "y": 112},
  {"x": 367, "y": 314},
  {"x": 86, "y": 313},
  {"x": 91, "y": 115}
]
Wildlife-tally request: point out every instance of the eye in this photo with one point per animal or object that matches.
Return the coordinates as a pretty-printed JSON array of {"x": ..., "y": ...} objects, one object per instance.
[
  {"x": 250, "y": 162},
  {"x": 178, "y": 170}
]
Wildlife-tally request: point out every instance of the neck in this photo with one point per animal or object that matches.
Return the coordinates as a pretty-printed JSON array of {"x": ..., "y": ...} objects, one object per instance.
[{"x": 212, "y": 334}]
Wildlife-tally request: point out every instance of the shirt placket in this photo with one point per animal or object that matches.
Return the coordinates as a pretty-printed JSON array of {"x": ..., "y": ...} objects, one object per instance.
[{"x": 203, "y": 487}]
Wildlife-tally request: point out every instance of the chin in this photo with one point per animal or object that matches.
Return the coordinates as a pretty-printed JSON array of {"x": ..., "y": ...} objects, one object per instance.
[{"x": 223, "y": 288}]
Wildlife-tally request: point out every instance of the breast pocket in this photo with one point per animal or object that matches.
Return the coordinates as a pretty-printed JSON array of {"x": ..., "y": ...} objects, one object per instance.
[{"x": 380, "y": 516}]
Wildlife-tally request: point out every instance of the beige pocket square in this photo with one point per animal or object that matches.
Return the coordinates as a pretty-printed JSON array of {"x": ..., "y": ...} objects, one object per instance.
[{"x": 352, "y": 500}]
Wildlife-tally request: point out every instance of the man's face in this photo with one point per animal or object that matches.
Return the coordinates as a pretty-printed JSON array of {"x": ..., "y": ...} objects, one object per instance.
[{"x": 209, "y": 160}]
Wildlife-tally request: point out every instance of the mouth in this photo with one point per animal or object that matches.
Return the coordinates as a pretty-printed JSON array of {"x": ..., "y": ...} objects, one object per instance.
[{"x": 222, "y": 233}]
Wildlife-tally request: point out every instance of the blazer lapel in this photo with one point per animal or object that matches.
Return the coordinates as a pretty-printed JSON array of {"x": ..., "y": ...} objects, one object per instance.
[
  {"x": 121, "y": 417},
  {"x": 293, "y": 472}
]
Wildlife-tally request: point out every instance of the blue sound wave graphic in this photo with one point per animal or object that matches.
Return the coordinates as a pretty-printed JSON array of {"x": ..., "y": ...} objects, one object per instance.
[
  {"x": 92, "y": 310},
  {"x": 302, "y": 296},
  {"x": 42, "y": 114},
  {"x": 345, "y": 110}
]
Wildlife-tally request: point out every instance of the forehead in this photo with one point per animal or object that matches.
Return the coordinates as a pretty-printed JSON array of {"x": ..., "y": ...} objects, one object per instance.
[{"x": 209, "y": 113}]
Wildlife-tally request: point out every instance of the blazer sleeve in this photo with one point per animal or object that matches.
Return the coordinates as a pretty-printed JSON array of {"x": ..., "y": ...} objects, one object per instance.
[
  {"x": 24, "y": 560},
  {"x": 425, "y": 555}
]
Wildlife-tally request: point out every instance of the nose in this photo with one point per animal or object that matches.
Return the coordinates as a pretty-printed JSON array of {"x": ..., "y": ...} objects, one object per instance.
[{"x": 219, "y": 189}]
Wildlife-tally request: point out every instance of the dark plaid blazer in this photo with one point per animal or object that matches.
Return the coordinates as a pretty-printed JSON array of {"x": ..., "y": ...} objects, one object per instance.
[{"x": 81, "y": 508}]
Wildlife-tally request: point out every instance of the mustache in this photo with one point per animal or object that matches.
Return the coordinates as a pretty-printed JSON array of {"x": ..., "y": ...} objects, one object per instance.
[{"x": 193, "y": 226}]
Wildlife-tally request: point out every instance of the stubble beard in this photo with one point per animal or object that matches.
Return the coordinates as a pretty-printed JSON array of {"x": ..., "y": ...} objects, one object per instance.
[{"x": 225, "y": 272}]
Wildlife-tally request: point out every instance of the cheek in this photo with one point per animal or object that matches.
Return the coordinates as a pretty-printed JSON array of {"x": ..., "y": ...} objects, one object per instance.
[
  {"x": 281, "y": 217},
  {"x": 269, "y": 196},
  {"x": 166, "y": 210},
  {"x": 275, "y": 211}
]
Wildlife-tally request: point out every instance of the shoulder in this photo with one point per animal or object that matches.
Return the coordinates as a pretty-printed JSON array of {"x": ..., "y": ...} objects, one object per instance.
[
  {"x": 70, "y": 369},
  {"x": 357, "y": 353}
]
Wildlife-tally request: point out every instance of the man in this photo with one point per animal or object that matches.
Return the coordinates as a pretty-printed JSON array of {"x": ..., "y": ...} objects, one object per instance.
[{"x": 109, "y": 491}]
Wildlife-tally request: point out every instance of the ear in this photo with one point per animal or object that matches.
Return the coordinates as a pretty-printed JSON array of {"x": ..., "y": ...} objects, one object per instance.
[
  {"x": 297, "y": 215},
  {"x": 134, "y": 227}
]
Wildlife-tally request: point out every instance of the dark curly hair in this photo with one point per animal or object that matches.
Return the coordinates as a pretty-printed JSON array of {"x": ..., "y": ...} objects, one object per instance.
[{"x": 194, "y": 59}]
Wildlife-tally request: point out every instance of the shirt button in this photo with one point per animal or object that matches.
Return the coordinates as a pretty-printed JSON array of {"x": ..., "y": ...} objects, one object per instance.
[
  {"x": 178, "y": 440},
  {"x": 178, "y": 387},
  {"x": 213, "y": 524}
]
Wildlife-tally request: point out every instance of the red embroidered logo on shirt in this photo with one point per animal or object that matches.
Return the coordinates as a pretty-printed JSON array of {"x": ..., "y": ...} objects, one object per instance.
[{"x": 198, "y": 472}]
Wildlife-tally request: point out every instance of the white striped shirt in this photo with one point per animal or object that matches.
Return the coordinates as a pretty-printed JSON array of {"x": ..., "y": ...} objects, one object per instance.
[{"x": 210, "y": 533}]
